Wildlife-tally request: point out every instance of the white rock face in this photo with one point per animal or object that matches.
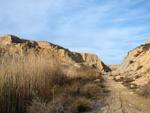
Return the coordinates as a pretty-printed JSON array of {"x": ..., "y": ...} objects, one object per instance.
[
  {"x": 136, "y": 60},
  {"x": 137, "y": 63}
]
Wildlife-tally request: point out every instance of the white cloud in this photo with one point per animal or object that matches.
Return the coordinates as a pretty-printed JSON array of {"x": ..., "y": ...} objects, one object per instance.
[{"x": 107, "y": 28}]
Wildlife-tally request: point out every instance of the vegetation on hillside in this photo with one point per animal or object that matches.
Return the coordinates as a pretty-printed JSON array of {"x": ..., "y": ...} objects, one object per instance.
[
  {"x": 36, "y": 85},
  {"x": 145, "y": 90}
]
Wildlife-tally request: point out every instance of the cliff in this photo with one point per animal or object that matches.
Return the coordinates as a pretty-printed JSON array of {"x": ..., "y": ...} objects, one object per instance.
[
  {"x": 136, "y": 60},
  {"x": 12, "y": 45},
  {"x": 136, "y": 65},
  {"x": 93, "y": 58}
]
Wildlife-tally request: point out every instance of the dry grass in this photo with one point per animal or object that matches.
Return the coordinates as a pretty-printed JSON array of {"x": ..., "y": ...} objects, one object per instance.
[
  {"x": 146, "y": 47},
  {"x": 145, "y": 91},
  {"x": 20, "y": 77},
  {"x": 127, "y": 82},
  {"x": 138, "y": 53},
  {"x": 38, "y": 85}
]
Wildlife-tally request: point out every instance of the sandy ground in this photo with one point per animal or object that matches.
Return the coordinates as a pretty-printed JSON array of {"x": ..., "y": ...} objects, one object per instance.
[{"x": 119, "y": 99}]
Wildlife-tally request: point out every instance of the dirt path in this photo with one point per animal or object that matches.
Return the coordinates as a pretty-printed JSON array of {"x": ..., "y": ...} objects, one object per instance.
[{"x": 121, "y": 100}]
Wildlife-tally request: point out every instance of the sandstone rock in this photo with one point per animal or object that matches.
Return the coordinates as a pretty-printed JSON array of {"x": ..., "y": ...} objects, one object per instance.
[
  {"x": 93, "y": 58},
  {"x": 132, "y": 86},
  {"x": 137, "y": 62},
  {"x": 97, "y": 80},
  {"x": 148, "y": 41},
  {"x": 15, "y": 45},
  {"x": 113, "y": 67},
  {"x": 118, "y": 77}
]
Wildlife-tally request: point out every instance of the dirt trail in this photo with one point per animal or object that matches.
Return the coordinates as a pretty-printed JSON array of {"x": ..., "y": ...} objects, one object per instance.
[{"x": 121, "y": 100}]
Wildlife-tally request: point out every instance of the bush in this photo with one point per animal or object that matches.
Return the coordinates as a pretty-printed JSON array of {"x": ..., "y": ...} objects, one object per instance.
[
  {"x": 91, "y": 90},
  {"x": 59, "y": 105},
  {"x": 83, "y": 104},
  {"x": 146, "y": 47},
  {"x": 127, "y": 83},
  {"x": 145, "y": 91},
  {"x": 130, "y": 85},
  {"x": 127, "y": 80}
]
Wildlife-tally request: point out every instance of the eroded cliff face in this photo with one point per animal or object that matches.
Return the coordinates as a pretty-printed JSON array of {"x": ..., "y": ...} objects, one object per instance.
[
  {"x": 148, "y": 41},
  {"x": 11, "y": 45},
  {"x": 136, "y": 65},
  {"x": 136, "y": 60},
  {"x": 93, "y": 58}
]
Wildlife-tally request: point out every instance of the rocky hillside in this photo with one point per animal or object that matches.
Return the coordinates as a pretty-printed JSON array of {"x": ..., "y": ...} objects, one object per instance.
[
  {"x": 11, "y": 45},
  {"x": 137, "y": 63},
  {"x": 93, "y": 58},
  {"x": 113, "y": 67},
  {"x": 136, "y": 60}
]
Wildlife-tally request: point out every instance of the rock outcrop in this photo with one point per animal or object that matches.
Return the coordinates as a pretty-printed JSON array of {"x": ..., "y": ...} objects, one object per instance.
[
  {"x": 148, "y": 41},
  {"x": 136, "y": 60},
  {"x": 136, "y": 64},
  {"x": 10, "y": 45},
  {"x": 113, "y": 67},
  {"x": 93, "y": 58}
]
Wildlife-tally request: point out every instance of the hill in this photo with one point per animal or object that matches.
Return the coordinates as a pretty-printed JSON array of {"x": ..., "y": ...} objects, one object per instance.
[
  {"x": 12, "y": 45},
  {"x": 136, "y": 65}
]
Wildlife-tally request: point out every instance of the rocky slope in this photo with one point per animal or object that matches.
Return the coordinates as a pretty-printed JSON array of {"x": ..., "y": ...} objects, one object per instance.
[
  {"x": 136, "y": 60},
  {"x": 113, "y": 67},
  {"x": 11, "y": 45},
  {"x": 137, "y": 63},
  {"x": 148, "y": 41},
  {"x": 93, "y": 58}
]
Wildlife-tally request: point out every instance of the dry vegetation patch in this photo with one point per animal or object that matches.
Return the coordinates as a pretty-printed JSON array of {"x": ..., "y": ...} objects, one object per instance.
[
  {"x": 127, "y": 81},
  {"x": 38, "y": 85},
  {"x": 145, "y": 90}
]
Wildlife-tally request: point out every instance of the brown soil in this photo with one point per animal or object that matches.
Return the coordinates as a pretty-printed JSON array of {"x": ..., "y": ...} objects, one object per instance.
[{"x": 119, "y": 99}]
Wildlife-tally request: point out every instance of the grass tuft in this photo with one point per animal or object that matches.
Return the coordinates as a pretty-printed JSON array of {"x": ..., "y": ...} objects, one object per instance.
[{"x": 145, "y": 91}]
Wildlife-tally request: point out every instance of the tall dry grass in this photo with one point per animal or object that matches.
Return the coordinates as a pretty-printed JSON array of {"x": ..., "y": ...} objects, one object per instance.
[
  {"x": 21, "y": 77},
  {"x": 31, "y": 84}
]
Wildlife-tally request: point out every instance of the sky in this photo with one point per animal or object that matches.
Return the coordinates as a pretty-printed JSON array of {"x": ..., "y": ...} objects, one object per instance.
[{"x": 107, "y": 28}]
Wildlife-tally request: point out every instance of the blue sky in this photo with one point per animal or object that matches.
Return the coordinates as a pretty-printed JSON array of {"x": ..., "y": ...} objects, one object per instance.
[{"x": 108, "y": 28}]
